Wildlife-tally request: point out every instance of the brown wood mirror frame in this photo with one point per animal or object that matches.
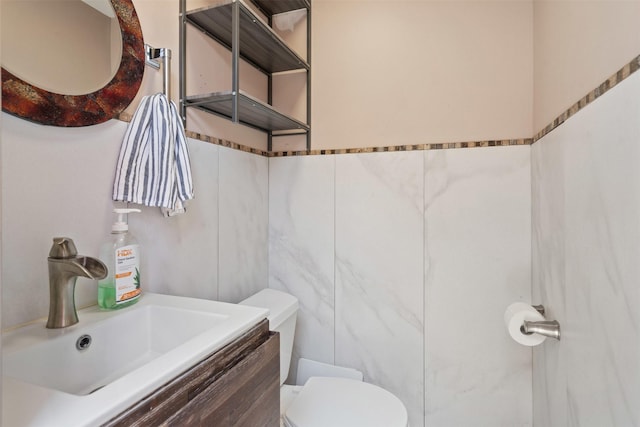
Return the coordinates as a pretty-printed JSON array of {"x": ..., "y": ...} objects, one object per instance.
[{"x": 32, "y": 103}]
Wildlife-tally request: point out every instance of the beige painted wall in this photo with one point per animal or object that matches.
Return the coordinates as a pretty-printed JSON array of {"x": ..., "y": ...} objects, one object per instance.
[
  {"x": 409, "y": 72},
  {"x": 384, "y": 72},
  {"x": 577, "y": 46},
  {"x": 388, "y": 72},
  {"x": 391, "y": 72}
]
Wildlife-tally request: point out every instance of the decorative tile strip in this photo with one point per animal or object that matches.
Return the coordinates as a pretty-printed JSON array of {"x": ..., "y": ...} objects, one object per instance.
[
  {"x": 416, "y": 147},
  {"x": 225, "y": 143},
  {"x": 612, "y": 81},
  {"x": 604, "y": 87}
]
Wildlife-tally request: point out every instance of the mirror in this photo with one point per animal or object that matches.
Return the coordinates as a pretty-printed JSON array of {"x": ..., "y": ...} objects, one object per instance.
[
  {"x": 23, "y": 96},
  {"x": 70, "y": 46}
]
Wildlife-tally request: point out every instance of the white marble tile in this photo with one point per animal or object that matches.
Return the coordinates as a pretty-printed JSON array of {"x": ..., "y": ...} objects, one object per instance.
[
  {"x": 548, "y": 273},
  {"x": 180, "y": 254},
  {"x": 477, "y": 262},
  {"x": 379, "y": 272},
  {"x": 243, "y": 224},
  {"x": 301, "y": 248},
  {"x": 602, "y": 199},
  {"x": 56, "y": 182}
]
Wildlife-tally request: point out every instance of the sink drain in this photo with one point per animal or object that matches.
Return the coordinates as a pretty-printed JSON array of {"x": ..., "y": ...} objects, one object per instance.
[{"x": 83, "y": 342}]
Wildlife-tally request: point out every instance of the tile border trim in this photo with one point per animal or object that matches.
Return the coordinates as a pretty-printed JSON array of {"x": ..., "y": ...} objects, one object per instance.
[
  {"x": 415, "y": 147},
  {"x": 125, "y": 117},
  {"x": 613, "y": 80},
  {"x": 225, "y": 143},
  {"x": 603, "y": 88}
]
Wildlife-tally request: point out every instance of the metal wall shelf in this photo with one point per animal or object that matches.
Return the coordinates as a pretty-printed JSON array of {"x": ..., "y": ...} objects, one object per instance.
[
  {"x": 259, "y": 44},
  {"x": 273, "y": 7},
  {"x": 251, "y": 111},
  {"x": 234, "y": 25}
]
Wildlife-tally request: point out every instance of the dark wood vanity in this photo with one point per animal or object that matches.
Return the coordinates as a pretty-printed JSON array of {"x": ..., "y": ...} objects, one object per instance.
[{"x": 238, "y": 385}]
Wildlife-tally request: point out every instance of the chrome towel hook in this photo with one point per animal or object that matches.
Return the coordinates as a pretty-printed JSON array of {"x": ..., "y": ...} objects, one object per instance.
[{"x": 151, "y": 54}]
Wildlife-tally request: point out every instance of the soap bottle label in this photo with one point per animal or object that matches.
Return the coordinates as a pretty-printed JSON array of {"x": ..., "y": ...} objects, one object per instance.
[{"x": 127, "y": 273}]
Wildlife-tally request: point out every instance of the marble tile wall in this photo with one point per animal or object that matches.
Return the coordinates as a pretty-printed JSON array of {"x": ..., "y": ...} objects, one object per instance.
[
  {"x": 477, "y": 216},
  {"x": 393, "y": 255},
  {"x": 218, "y": 250},
  {"x": 379, "y": 271},
  {"x": 548, "y": 279},
  {"x": 301, "y": 248},
  {"x": 185, "y": 240},
  {"x": 243, "y": 218},
  {"x": 55, "y": 183},
  {"x": 58, "y": 182},
  {"x": 586, "y": 222}
]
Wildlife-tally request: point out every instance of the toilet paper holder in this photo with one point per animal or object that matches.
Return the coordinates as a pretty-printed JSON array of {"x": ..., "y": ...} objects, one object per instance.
[
  {"x": 539, "y": 308},
  {"x": 547, "y": 328}
]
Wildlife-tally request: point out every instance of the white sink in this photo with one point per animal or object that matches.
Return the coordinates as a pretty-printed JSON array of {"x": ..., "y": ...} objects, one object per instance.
[{"x": 48, "y": 381}]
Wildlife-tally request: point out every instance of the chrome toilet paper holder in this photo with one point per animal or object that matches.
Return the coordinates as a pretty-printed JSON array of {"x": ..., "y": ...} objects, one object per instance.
[
  {"x": 539, "y": 308},
  {"x": 547, "y": 328}
]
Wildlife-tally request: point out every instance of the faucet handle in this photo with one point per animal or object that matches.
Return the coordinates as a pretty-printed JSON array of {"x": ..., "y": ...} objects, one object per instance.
[{"x": 63, "y": 247}]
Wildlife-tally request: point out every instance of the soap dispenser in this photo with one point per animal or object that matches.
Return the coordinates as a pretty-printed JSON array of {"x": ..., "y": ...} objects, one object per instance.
[{"x": 121, "y": 254}]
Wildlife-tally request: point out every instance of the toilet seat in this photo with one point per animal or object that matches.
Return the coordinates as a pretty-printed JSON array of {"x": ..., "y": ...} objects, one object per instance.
[{"x": 340, "y": 402}]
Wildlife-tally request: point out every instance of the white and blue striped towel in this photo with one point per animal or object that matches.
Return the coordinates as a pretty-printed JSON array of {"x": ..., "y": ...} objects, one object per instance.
[{"x": 153, "y": 168}]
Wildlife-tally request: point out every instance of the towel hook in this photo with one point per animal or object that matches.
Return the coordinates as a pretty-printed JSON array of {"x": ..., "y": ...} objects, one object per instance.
[{"x": 151, "y": 54}]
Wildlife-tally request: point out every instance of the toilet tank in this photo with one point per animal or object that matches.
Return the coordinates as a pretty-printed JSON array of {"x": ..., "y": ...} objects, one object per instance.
[{"x": 283, "y": 309}]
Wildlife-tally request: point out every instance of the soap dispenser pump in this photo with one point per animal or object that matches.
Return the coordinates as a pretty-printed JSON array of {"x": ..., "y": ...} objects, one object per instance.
[{"x": 121, "y": 254}]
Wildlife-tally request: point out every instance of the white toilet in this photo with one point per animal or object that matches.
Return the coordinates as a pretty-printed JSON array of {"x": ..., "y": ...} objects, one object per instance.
[{"x": 323, "y": 401}]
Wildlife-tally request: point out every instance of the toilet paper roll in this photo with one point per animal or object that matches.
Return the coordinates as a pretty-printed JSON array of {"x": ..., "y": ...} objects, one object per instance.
[{"x": 514, "y": 317}]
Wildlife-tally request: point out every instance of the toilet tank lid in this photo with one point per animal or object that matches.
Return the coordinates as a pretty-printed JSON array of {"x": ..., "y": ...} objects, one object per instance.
[{"x": 281, "y": 305}]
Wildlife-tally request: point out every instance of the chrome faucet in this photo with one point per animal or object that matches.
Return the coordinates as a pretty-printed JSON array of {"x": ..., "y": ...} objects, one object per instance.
[{"x": 65, "y": 265}]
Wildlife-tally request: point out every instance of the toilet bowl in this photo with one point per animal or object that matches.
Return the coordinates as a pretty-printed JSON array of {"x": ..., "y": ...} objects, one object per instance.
[{"x": 323, "y": 401}]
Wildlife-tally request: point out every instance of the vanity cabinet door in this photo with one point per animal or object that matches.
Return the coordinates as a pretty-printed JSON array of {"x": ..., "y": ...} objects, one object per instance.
[
  {"x": 248, "y": 395},
  {"x": 239, "y": 385}
]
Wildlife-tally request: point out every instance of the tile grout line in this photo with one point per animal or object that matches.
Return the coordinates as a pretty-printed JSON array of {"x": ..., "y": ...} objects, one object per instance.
[
  {"x": 424, "y": 288},
  {"x": 335, "y": 177}
]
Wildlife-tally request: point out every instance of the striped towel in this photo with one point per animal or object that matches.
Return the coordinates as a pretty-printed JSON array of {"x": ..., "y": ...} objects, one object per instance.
[{"x": 153, "y": 168}]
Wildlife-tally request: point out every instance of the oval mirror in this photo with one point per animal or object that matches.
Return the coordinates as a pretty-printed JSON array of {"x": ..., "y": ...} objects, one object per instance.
[
  {"x": 26, "y": 94},
  {"x": 83, "y": 44}
]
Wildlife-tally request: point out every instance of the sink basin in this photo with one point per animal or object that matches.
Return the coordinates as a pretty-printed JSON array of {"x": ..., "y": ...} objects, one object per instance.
[
  {"x": 110, "y": 348},
  {"x": 90, "y": 372}
]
